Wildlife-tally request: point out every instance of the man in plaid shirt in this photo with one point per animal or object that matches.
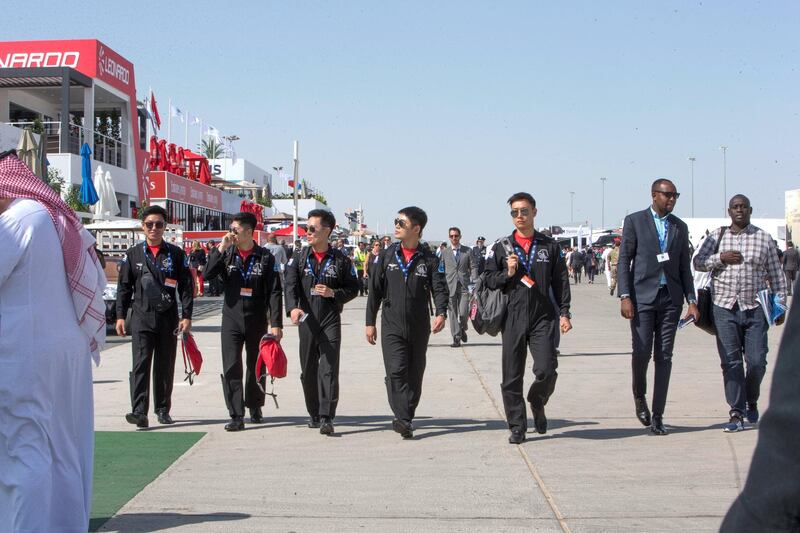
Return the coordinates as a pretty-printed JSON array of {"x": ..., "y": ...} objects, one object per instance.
[{"x": 747, "y": 263}]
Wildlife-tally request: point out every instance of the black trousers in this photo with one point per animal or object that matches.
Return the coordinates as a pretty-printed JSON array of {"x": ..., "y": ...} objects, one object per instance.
[
  {"x": 653, "y": 331},
  {"x": 404, "y": 359},
  {"x": 362, "y": 286},
  {"x": 320, "y": 347},
  {"x": 238, "y": 334},
  {"x": 521, "y": 334},
  {"x": 153, "y": 344}
]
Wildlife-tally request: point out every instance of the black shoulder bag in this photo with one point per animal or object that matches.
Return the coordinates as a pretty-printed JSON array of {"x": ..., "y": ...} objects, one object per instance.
[{"x": 705, "y": 304}]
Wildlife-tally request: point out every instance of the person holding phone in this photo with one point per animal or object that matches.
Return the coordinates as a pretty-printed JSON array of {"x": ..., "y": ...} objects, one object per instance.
[
  {"x": 318, "y": 284},
  {"x": 528, "y": 267},
  {"x": 252, "y": 289},
  {"x": 154, "y": 274}
]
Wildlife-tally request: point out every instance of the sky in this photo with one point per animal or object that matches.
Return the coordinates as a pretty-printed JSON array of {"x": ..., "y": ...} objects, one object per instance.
[{"x": 455, "y": 105}]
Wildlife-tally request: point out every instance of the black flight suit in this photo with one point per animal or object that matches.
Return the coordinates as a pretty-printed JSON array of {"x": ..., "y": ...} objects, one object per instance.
[
  {"x": 244, "y": 319},
  {"x": 529, "y": 321},
  {"x": 321, "y": 333},
  {"x": 405, "y": 324},
  {"x": 154, "y": 318}
]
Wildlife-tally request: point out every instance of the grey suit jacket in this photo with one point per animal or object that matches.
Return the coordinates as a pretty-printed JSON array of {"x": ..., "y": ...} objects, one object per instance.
[
  {"x": 639, "y": 271},
  {"x": 460, "y": 274}
]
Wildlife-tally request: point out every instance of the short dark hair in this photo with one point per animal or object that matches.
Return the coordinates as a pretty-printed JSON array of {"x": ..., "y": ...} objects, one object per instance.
[
  {"x": 659, "y": 182},
  {"x": 740, "y": 196},
  {"x": 326, "y": 216},
  {"x": 522, "y": 196},
  {"x": 246, "y": 219},
  {"x": 789, "y": 243},
  {"x": 416, "y": 215},
  {"x": 454, "y": 228},
  {"x": 154, "y": 210}
]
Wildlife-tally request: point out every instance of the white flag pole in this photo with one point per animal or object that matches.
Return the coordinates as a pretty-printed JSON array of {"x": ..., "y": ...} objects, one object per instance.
[{"x": 169, "y": 121}]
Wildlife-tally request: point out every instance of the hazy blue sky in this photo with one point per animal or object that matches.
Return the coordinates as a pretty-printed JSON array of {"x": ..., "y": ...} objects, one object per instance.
[{"x": 453, "y": 106}]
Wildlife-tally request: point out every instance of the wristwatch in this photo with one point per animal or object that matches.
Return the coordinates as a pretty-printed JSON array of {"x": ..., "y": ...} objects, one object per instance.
[{"x": 567, "y": 315}]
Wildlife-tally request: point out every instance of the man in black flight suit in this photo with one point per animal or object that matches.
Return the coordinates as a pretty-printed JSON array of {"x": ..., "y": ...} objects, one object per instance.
[
  {"x": 403, "y": 277},
  {"x": 319, "y": 281},
  {"x": 155, "y": 274},
  {"x": 526, "y": 266},
  {"x": 252, "y": 288}
]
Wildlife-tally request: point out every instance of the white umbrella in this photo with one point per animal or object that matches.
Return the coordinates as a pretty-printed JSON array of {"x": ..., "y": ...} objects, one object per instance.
[
  {"x": 28, "y": 152},
  {"x": 106, "y": 206}
]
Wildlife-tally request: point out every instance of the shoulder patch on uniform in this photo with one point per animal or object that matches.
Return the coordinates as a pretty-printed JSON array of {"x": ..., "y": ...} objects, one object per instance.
[{"x": 289, "y": 262}]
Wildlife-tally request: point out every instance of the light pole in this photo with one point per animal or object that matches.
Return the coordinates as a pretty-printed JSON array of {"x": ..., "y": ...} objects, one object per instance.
[
  {"x": 278, "y": 173},
  {"x": 571, "y": 206},
  {"x": 296, "y": 159},
  {"x": 603, "y": 204},
  {"x": 691, "y": 164},
  {"x": 724, "y": 179},
  {"x": 230, "y": 139}
]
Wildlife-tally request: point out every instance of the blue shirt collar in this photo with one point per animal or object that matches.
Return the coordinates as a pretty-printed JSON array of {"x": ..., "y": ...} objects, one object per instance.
[{"x": 655, "y": 215}]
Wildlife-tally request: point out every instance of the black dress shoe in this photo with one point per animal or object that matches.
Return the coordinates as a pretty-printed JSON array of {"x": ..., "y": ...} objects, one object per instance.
[
  {"x": 137, "y": 419},
  {"x": 657, "y": 427},
  {"x": 463, "y": 336},
  {"x": 539, "y": 420},
  {"x": 164, "y": 418},
  {"x": 326, "y": 426},
  {"x": 456, "y": 342},
  {"x": 517, "y": 436},
  {"x": 313, "y": 422},
  {"x": 236, "y": 424},
  {"x": 405, "y": 429},
  {"x": 642, "y": 411},
  {"x": 255, "y": 415}
]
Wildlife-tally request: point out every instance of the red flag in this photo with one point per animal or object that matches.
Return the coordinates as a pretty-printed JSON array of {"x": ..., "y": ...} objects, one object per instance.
[
  {"x": 291, "y": 183},
  {"x": 154, "y": 109}
]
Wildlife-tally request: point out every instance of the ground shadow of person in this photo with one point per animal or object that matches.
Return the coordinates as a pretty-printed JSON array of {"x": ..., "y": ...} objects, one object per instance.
[{"x": 147, "y": 522}]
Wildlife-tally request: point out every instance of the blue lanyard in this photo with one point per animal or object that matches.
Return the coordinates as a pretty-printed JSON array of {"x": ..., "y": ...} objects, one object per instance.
[
  {"x": 662, "y": 241},
  {"x": 404, "y": 268},
  {"x": 322, "y": 270},
  {"x": 527, "y": 261},
  {"x": 164, "y": 270},
  {"x": 240, "y": 265}
]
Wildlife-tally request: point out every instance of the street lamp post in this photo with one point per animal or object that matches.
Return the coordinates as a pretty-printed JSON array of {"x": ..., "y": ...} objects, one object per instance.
[
  {"x": 571, "y": 206},
  {"x": 724, "y": 180},
  {"x": 230, "y": 139},
  {"x": 691, "y": 163},
  {"x": 296, "y": 159},
  {"x": 603, "y": 204},
  {"x": 278, "y": 173}
]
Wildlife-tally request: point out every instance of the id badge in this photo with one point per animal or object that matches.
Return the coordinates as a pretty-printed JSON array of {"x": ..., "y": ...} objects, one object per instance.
[
  {"x": 527, "y": 281},
  {"x": 246, "y": 292},
  {"x": 314, "y": 292},
  {"x": 663, "y": 258},
  {"x": 170, "y": 283}
]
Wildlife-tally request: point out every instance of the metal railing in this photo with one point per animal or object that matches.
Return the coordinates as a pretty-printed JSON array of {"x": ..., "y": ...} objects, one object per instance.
[{"x": 105, "y": 150}]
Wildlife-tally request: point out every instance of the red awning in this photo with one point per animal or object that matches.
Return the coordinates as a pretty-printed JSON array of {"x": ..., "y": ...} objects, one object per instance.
[{"x": 284, "y": 232}]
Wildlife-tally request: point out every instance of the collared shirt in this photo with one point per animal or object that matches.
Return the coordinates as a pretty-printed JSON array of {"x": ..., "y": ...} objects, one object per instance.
[
  {"x": 661, "y": 228},
  {"x": 732, "y": 284}
]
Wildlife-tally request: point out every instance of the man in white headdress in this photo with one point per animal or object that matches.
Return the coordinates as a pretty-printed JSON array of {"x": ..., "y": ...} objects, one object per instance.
[{"x": 52, "y": 324}]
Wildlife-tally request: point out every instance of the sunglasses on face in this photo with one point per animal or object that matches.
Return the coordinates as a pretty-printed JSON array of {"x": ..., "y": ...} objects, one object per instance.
[
  {"x": 402, "y": 224},
  {"x": 455, "y": 236},
  {"x": 670, "y": 195},
  {"x": 523, "y": 212},
  {"x": 156, "y": 225},
  {"x": 313, "y": 229}
]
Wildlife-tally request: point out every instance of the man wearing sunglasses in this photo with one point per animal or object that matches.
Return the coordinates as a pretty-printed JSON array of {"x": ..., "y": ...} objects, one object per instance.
[
  {"x": 460, "y": 270},
  {"x": 654, "y": 280},
  {"x": 528, "y": 267},
  {"x": 154, "y": 274},
  {"x": 403, "y": 278},
  {"x": 252, "y": 288},
  {"x": 319, "y": 281}
]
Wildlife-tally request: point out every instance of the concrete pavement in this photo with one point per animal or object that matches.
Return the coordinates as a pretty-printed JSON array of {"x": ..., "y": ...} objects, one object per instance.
[{"x": 597, "y": 468}]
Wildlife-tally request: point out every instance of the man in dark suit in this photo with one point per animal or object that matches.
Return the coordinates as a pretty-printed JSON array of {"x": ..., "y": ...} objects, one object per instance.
[{"x": 654, "y": 280}]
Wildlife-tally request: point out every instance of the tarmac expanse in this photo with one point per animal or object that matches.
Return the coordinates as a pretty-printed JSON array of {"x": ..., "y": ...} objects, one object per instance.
[{"x": 596, "y": 469}]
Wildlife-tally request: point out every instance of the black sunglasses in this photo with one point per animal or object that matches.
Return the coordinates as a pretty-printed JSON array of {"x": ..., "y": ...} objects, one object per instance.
[
  {"x": 523, "y": 212},
  {"x": 670, "y": 195},
  {"x": 455, "y": 236},
  {"x": 400, "y": 222},
  {"x": 157, "y": 224},
  {"x": 313, "y": 229}
]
